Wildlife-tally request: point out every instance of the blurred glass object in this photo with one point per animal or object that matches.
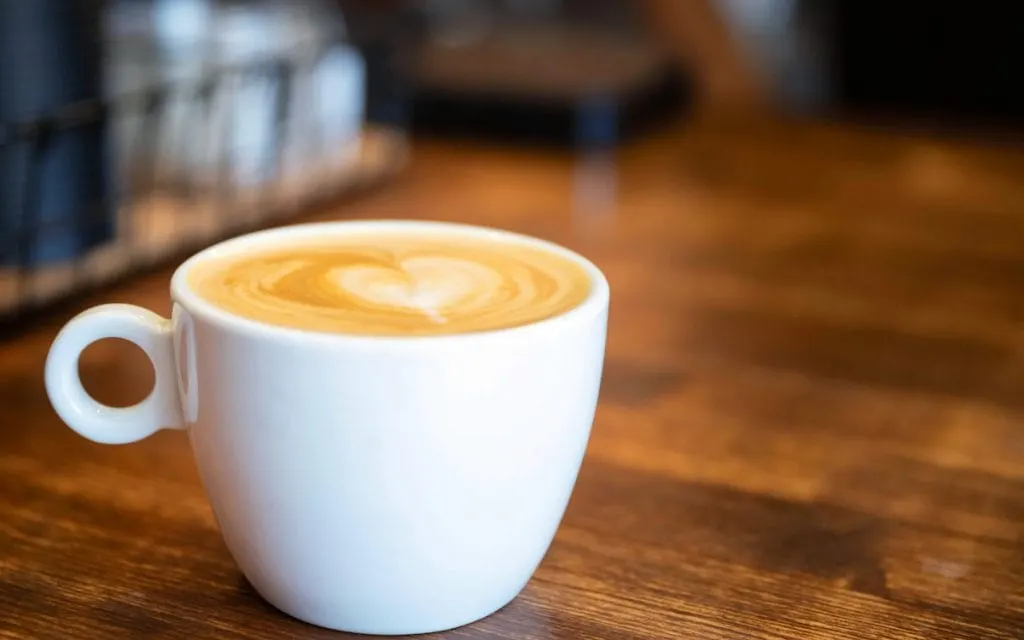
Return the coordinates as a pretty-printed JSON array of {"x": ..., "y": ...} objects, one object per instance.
[
  {"x": 222, "y": 115},
  {"x": 297, "y": 120},
  {"x": 54, "y": 190},
  {"x": 784, "y": 45},
  {"x": 595, "y": 189},
  {"x": 180, "y": 24}
]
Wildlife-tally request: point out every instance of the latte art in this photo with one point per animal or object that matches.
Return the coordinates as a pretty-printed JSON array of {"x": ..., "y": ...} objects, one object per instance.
[{"x": 386, "y": 284}]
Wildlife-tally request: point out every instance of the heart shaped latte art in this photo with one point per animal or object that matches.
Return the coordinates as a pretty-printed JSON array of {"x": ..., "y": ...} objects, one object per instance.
[
  {"x": 395, "y": 285},
  {"x": 433, "y": 285}
]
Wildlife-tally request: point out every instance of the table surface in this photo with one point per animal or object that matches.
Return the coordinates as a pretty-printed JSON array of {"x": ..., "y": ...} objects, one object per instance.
[{"x": 809, "y": 427}]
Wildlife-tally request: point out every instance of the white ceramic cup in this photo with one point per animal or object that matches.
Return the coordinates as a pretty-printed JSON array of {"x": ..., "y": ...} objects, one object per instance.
[{"x": 383, "y": 485}]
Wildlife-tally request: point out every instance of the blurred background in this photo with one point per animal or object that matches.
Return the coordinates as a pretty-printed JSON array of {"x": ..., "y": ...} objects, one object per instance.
[{"x": 134, "y": 131}]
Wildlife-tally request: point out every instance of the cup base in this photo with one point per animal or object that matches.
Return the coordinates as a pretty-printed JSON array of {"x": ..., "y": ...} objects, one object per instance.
[{"x": 395, "y": 625}]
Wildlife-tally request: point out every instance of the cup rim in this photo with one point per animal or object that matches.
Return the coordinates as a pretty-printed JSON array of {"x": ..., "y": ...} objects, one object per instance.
[{"x": 182, "y": 293}]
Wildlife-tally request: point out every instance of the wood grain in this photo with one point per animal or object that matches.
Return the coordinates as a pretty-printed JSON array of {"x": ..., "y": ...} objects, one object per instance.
[{"x": 810, "y": 424}]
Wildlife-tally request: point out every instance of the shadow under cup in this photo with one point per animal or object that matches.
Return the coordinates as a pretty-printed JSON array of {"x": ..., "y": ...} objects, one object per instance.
[{"x": 384, "y": 485}]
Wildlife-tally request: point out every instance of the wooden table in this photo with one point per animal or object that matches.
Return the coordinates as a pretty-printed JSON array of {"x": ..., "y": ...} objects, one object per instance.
[{"x": 810, "y": 424}]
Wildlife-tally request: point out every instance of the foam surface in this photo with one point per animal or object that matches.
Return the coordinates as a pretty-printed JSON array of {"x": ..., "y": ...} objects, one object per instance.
[{"x": 387, "y": 284}]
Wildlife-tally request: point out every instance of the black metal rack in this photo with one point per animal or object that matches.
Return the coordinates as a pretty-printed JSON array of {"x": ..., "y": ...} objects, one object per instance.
[{"x": 156, "y": 216}]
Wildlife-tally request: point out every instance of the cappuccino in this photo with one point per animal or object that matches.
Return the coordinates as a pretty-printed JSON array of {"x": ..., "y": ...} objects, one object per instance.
[
  {"x": 394, "y": 284},
  {"x": 297, "y": 434}
]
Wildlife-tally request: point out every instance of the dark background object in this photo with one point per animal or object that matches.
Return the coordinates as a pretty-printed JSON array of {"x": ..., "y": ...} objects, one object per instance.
[
  {"x": 554, "y": 84},
  {"x": 383, "y": 32},
  {"x": 51, "y": 56},
  {"x": 952, "y": 60},
  {"x": 576, "y": 74}
]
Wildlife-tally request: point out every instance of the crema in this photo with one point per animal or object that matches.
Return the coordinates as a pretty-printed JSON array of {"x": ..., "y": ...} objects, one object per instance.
[{"x": 391, "y": 285}]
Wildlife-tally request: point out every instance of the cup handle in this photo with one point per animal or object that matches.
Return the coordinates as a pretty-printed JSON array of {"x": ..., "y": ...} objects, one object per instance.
[{"x": 101, "y": 423}]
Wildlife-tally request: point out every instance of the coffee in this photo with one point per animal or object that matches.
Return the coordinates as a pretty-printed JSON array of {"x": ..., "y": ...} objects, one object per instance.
[{"x": 391, "y": 284}]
